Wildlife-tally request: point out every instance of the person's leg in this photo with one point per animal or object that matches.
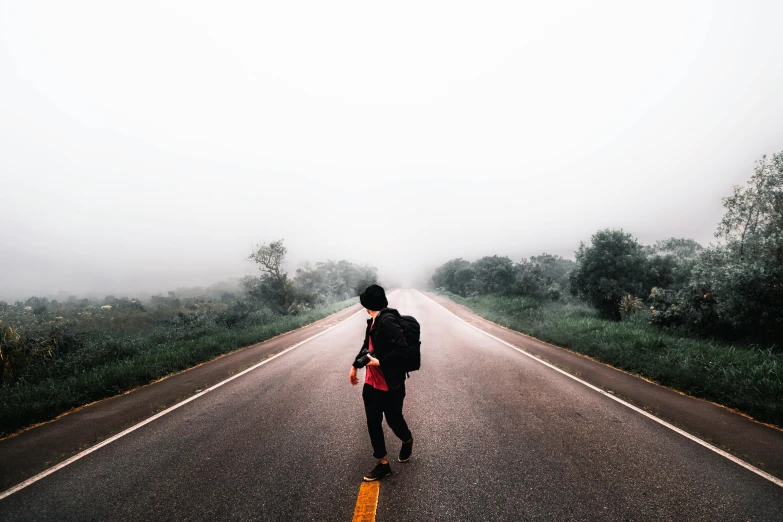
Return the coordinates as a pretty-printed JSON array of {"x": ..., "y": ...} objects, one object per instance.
[
  {"x": 393, "y": 409},
  {"x": 373, "y": 408}
]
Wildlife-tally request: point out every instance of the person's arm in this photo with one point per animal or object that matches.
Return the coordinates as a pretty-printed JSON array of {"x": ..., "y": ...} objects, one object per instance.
[
  {"x": 364, "y": 347},
  {"x": 352, "y": 378}
]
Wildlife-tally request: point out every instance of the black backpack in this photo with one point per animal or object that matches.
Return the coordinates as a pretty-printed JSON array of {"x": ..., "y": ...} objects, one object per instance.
[{"x": 412, "y": 334}]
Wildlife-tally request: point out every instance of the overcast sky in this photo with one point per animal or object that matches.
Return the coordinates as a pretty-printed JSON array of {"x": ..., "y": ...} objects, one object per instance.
[{"x": 148, "y": 145}]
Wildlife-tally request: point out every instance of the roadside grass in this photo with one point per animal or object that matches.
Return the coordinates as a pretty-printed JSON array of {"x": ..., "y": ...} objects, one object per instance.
[
  {"x": 132, "y": 361},
  {"x": 748, "y": 378}
]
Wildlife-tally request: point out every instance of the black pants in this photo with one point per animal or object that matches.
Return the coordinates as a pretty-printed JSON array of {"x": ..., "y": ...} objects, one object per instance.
[{"x": 376, "y": 404}]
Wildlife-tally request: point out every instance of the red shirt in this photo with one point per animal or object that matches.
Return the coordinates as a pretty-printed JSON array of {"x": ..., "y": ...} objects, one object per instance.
[{"x": 373, "y": 374}]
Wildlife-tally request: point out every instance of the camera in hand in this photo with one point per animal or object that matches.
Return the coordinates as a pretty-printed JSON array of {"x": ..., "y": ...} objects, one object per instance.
[{"x": 363, "y": 359}]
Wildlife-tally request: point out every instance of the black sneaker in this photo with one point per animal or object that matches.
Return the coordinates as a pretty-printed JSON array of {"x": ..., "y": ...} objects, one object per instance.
[
  {"x": 405, "y": 450},
  {"x": 378, "y": 472}
]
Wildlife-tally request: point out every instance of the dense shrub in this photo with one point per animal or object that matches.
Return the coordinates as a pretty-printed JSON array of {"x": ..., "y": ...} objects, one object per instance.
[
  {"x": 543, "y": 277},
  {"x": 330, "y": 281},
  {"x": 667, "y": 307},
  {"x": 612, "y": 266},
  {"x": 747, "y": 294},
  {"x": 493, "y": 274},
  {"x": 736, "y": 287},
  {"x": 446, "y": 277},
  {"x": 670, "y": 262},
  {"x": 464, "y": 281},
  {"x": 530, "y": 280},
  {"x": 26, "y": 353}
]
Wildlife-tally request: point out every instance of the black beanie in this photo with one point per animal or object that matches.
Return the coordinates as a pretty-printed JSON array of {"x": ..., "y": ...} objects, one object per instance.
[{"x": 373, "y": 298}]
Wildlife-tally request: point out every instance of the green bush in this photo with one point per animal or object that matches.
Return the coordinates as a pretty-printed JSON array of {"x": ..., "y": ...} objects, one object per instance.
[
  {"x": 670, "y": 262},
  {"x": 667, "y": 307},
  {"x": 493, "y": 274},
  {"x": 454, "y": 276},
  {"x": 612, "y": 266},
  {"x": 543, "y": 277}
]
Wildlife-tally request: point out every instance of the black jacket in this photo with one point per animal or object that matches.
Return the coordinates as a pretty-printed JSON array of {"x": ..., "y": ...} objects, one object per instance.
[{"x": 389, "y": 345}]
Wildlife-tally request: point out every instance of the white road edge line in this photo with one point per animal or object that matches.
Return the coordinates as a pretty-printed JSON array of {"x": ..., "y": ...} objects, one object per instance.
[
  {"x": 662, "y": 422},
  {"x": 111, "y": 439}
]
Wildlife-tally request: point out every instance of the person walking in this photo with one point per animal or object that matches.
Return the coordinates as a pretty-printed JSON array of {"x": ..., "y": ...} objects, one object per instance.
[{"x": 383, "y": 357}]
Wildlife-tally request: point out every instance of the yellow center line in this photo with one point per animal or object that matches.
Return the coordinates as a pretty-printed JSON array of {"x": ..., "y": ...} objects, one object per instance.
[{"x": 366, "y": 502}]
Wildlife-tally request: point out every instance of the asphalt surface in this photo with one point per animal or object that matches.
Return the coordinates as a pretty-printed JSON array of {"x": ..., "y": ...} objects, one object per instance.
[{"x": 498, "y": 436}]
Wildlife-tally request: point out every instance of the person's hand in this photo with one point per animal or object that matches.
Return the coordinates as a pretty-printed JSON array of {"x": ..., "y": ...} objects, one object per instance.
[
  {"x": 373, "y": 361},
  {"x": 353, "y": 378}
]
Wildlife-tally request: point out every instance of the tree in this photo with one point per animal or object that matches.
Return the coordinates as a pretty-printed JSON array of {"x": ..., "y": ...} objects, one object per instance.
[
  {"x": 270, "y": 259},
  {"x": 682, "y": 248},
  {"x": 544, "y": 276},
  {"x": 612, "y": 267},
  {"x": 744, "y": 275},
  {"x": 753, "y": 223},
  {"x": 334, "y": 281},
  {"x": 274, "y": 285},
  {"x": 494, "y": 274},
  {"x": 670, "y": 263},
  {"x": 464, "y": 281},
  {"x": 39, "y": 305},
  {"x": 444, "y": 276},
  {"x": 530, "y": 279}
]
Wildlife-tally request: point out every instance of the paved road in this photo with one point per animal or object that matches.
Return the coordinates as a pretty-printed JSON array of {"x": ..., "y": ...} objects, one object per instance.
[{"x": 498, "y": 437}]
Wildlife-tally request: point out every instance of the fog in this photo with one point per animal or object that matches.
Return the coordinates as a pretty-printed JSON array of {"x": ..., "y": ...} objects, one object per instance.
[{"x": 147, "y": 146}]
